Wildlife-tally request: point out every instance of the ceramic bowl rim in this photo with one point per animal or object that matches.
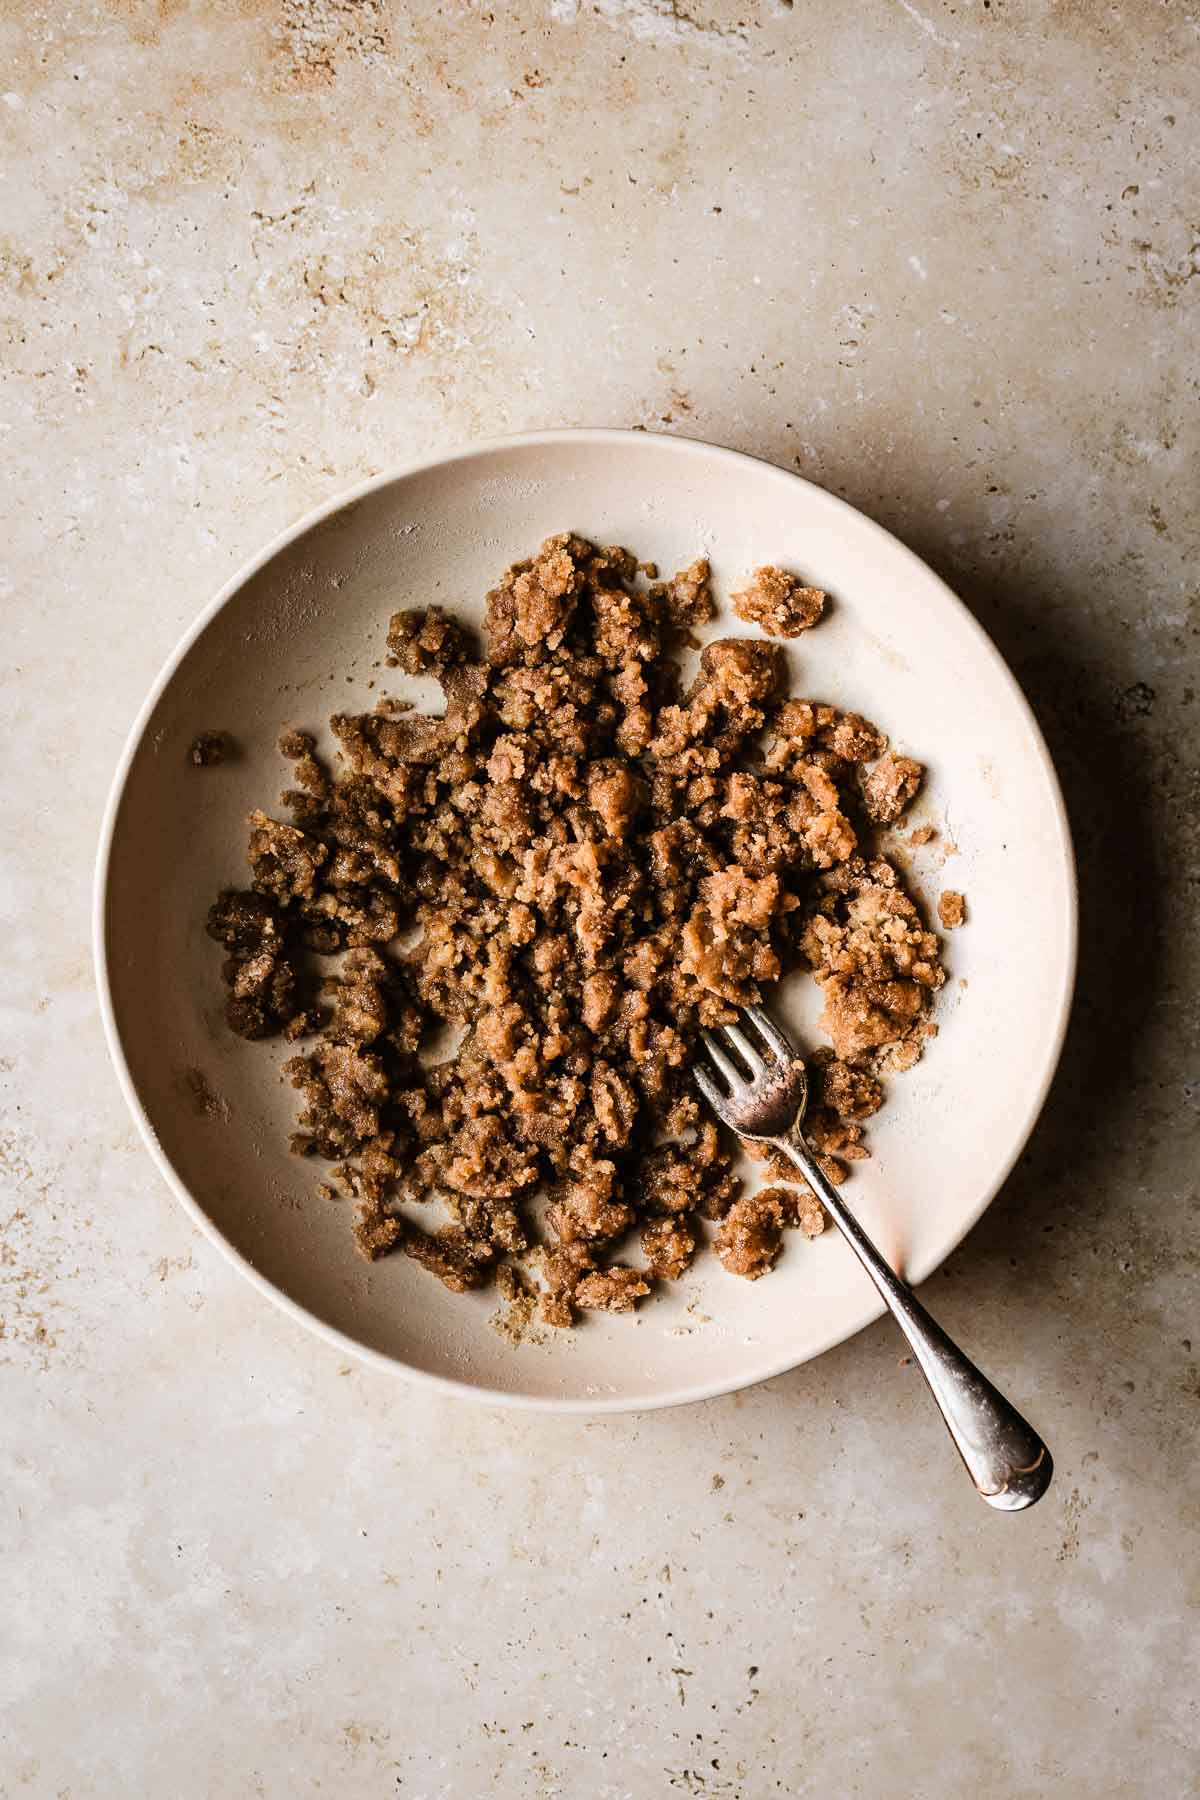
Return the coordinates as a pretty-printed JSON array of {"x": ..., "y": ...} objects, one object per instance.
[{"x": 613, "y": 437}]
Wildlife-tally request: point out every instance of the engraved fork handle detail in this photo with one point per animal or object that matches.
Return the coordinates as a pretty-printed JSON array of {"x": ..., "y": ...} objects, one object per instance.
[{"x": 1005, "y": 1457}]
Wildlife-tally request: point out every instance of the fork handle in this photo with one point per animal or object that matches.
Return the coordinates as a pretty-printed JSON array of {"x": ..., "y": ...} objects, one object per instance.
[{"x": 1006, "y": 1459}]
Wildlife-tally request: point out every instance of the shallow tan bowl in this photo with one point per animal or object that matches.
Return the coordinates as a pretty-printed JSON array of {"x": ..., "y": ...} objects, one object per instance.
[{"x": 276, "y": 646}]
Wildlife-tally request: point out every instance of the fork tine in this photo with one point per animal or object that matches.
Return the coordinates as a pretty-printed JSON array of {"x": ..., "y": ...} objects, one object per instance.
[
  {"x": 752, "y": 1058},
  {"x": 734, "y": 1078},
  {"x": 770, "y": 1033},
  {"x": 712, "y": 1093}
]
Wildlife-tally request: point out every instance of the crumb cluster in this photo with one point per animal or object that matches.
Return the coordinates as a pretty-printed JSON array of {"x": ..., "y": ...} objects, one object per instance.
[
  {"x": 779, "y": 602},
  {"x": 951, "y": 909},
  {"x": 210, "y": 748}
]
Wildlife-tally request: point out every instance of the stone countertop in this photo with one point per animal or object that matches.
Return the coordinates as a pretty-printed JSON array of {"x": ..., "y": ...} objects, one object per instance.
[{"x": 941, "y": 259}]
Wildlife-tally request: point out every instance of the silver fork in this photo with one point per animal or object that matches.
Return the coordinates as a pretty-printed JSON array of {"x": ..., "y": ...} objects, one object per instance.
[{"x": 765, "y": 1101}]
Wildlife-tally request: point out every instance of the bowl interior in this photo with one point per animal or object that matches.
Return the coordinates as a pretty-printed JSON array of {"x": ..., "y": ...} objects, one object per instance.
[{"x": 302, "y": 636}]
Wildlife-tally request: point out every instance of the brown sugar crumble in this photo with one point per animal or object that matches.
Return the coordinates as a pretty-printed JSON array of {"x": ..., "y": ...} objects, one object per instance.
[
  {"x": 951, "y": 909},
  {"x": 892, "y": 783},
  {"x": 779, "y": 602},
  {"x": 586, "y": 862},
  {"x": 210, "y": 748},
  {"x": 517, "y": 1320}
]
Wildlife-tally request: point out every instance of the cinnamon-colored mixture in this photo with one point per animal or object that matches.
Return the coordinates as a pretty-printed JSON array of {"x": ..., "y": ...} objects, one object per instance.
[
  {"x": 779, "y": 602},
  {"x": 952, "y": 909},
  {"x": 210, "y": 747},
  {"x": 598, "y": 862}
]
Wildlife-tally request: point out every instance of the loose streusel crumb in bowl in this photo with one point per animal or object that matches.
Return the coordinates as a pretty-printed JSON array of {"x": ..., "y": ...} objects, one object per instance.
[
  {"x": 951, "y": 909},
  {"x": 600, "y": 859}
]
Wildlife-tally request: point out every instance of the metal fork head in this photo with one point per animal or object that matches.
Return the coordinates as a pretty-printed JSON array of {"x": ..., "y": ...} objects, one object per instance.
[{"x": 760, "y": 1087}]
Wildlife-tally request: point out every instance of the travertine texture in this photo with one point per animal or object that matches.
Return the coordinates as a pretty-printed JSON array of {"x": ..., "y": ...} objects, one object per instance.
[{"x": 940, "y": 258}]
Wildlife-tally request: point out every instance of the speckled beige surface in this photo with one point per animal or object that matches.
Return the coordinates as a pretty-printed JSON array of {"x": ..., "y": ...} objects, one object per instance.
[{"x": 941, "y": 258}]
